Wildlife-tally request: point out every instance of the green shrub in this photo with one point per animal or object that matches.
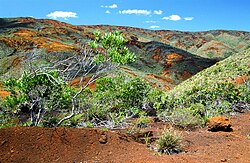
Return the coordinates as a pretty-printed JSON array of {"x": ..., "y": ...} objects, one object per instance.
[
  {"x": 186, "y": 118},
  {"x": 142, "y": 121},
  {"x": 43, "y": 94},
  {"x": 118, "y": 97},
  {"x": 169, "y": 142}
]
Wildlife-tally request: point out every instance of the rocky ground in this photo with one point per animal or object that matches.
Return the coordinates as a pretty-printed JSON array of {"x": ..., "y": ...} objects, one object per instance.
[{"x": 33, "y": 144}]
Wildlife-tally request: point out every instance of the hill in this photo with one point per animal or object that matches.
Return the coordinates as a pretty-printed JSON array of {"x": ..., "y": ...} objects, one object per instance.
[
  {"x": 220, "y": 89},
  {"x": 166, "y": 58}
]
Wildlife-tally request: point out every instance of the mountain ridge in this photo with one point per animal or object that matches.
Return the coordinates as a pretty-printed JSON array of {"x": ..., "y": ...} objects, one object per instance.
[{"x": 166, "y": 58}]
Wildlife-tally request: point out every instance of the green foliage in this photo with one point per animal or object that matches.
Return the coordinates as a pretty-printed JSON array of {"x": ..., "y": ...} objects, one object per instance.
[
  {"x": 186, "y": 118},
  {"x": 50, "y": 121},
  {"x": 169, "y": 142},
  {"x": 133, "y": 92},
  {"x": 142, "y": 121},
  {"x": 6, "y": 120},
  {"x": 75, "y": 120},
  {"x": 146, "y": 137},
  {"x": 119, "y": 97},
  {"x": 113, "y": 45},
  {"x": 43, "y": 89},
  {"x": 210, "y": 92}
]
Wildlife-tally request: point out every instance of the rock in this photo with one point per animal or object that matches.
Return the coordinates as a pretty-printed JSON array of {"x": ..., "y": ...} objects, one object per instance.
[
  {"x": 148, "y": 109},
  {"x": 219, "y": 123},
  {"x": 103, "y": 139}
]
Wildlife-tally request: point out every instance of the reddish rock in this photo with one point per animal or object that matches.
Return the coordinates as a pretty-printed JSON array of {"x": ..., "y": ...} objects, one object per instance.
[
  {"x": 241, "y": 79},
  {"x": 103, "y": 139},
  {"x": 219, "y": 123}
]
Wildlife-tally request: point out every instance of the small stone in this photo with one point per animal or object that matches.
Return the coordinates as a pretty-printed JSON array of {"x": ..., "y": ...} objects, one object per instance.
[
  {"x": 3, "y": 142},
  {"x": 219, "y": 123},
  {"x": 103, "y": 139},
  {"x": 223, "y": 160}
]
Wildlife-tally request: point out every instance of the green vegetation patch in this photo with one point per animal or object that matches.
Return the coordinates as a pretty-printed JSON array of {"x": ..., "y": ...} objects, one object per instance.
[{"x": 214, "y": 90}]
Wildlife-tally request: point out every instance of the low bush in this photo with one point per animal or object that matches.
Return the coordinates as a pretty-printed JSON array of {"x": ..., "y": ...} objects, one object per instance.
[
  {"x": 35, "y": 96},
  {"x": 187, "y": 118},
  {"x": 117, "y": 98},
  {"x": 169, "y": 142}
]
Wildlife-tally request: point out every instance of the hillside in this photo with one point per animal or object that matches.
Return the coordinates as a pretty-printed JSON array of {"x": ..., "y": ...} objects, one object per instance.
[
  {"x": 209, "y": 44},
  {"x": 223, "y": 88},
  {"x": 166, "y": 58}
]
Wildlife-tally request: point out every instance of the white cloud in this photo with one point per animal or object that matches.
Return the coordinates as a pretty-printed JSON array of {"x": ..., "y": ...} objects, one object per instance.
[
  {"x": 188, "y": 18},
  {"x": 172, "y": 17},
  {"x": 62, "y": 14},
  {"x": 135, "y": 11},
  {"x": 111, "y": 6},
  {"x": 154, "y": 26},
  {"x": 158, "y": 12},
  {"x": 107, "y": 12},
  {"x": 150, "y": 21}
]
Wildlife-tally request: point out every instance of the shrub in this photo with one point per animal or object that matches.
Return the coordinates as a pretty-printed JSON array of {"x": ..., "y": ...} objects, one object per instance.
[
  {"x": 142, "y": 121},
  {"x": 169, "y": 142},
  {"x": 119, "y": 97},
  {"x": 38, "y": 94},
  {"x": 186, "y": 118}
]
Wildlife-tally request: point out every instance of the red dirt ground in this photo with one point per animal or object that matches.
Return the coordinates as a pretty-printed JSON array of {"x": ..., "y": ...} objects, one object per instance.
[{"x": 33, "y": 144}]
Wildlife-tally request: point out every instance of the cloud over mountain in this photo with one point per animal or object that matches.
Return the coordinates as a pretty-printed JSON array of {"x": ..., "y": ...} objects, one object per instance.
[
  {"x": 150, "y": 21},
  {"x": 135, "y": 11},
  {"x": 188, "y": 18},
  {"x": 154, "y": 26},
  {"x": 158, "y": 12},
  {"x": 62, "y": 14},
  {"x": 172, "y": 17},
  {"x": 111, "y": 6}
]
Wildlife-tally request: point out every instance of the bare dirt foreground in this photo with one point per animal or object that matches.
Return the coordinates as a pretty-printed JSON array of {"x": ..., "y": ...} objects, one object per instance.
[{"x": 33, "y": 144}]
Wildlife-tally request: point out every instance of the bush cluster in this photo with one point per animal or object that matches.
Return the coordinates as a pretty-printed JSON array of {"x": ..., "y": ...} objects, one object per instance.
[{"x": 117, "y": 98}]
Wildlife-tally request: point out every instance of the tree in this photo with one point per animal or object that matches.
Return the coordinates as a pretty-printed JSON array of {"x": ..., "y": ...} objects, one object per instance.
[{"x": 103, "y": 54}]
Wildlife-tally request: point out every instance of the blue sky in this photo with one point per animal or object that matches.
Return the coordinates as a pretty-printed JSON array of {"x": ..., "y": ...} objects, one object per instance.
[{"x": 185, "y": 15}]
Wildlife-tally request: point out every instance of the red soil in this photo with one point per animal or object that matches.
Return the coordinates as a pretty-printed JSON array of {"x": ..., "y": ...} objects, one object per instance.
[{"x": 33, "y": 144}]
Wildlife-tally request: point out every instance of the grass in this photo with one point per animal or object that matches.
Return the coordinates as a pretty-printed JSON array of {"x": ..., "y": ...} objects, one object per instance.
[{"x": 169, "y": 142}]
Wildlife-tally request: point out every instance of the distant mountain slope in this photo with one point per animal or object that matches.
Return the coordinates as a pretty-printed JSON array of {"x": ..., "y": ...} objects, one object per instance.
[
  {"x": 220, "y": 89},
  {"x": 166, "y": 58},
  {"x": 209, "y": 44},
  {"x": 165, "y": 66}
]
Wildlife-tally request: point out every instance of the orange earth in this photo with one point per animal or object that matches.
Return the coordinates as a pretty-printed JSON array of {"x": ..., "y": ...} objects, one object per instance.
[{"x": 34, "y": 144}]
